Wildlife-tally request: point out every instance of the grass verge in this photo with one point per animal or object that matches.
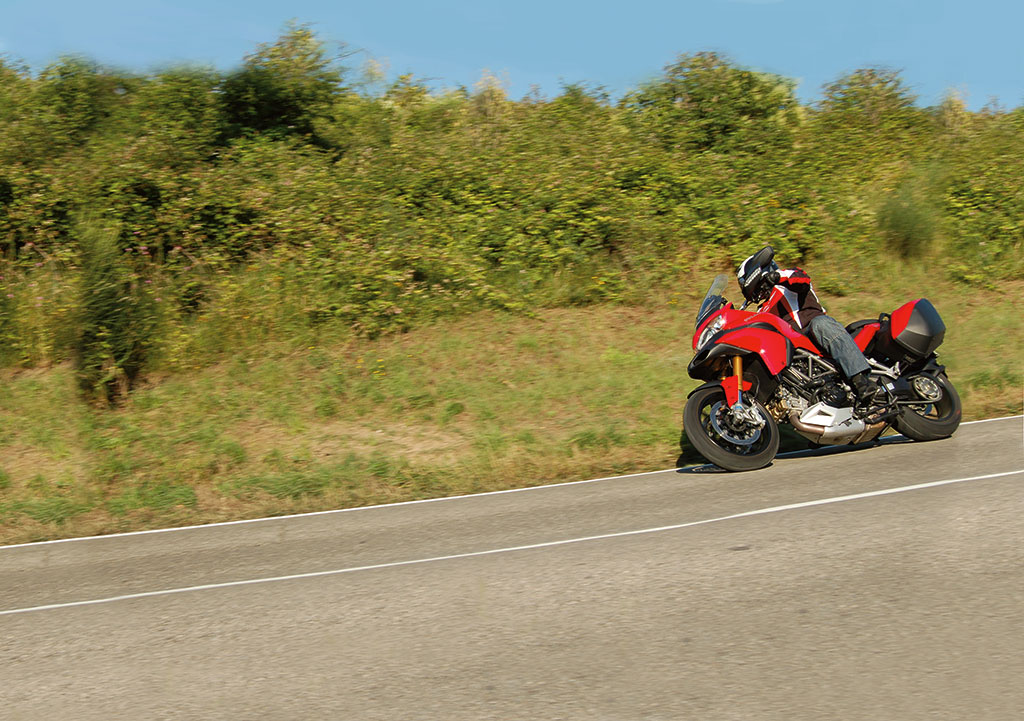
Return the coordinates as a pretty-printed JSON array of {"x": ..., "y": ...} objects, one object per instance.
[{"x": 486, "y": 402}]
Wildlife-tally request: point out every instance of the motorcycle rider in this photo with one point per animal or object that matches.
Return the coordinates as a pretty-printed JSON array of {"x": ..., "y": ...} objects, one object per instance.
[{"x": 789, "y": 295}]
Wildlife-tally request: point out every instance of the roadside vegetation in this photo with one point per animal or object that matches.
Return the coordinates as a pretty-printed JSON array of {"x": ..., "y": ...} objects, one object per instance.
[{"x": 292, "y": 287}]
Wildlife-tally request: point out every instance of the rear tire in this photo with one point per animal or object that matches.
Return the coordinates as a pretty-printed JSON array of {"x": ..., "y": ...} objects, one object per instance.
[
  {"x": 930, "y": 421},
  {"x": 700, "y": 431}
]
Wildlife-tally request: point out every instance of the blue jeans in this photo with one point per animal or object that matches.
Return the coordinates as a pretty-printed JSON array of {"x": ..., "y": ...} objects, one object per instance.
[{"x": 832, "y": 338}]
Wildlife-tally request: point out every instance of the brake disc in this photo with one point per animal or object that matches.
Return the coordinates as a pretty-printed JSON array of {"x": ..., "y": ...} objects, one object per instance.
[
  {"x": 745, "y": 435},
  {"x": 926, "y": 388}
]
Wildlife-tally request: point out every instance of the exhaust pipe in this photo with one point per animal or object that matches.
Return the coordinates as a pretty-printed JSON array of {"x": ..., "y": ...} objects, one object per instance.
[
  {"x": 834, "y": 426},
  {"x": 811, "y": 430}
]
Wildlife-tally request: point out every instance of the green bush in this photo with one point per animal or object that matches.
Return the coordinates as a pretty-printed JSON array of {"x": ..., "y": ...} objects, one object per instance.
[
  {"x": 908, "y": 222},
  {"x": 117, "y": 318}
]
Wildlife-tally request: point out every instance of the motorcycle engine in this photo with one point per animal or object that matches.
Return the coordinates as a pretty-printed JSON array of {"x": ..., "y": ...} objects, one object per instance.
[{"x": 834, "y": 395}]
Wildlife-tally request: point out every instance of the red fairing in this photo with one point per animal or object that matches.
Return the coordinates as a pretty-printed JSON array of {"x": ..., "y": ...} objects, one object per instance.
[
  {"x": 770, "y": 345},
  {"x": 901, "y": 316},
  {"x": 799, "y": 340},
  {"x": 732, "y": 394},
  {"x": 742, "y": 318},
  {"x": 767, "y": 344},
  {"x": 865, "y": 334}
]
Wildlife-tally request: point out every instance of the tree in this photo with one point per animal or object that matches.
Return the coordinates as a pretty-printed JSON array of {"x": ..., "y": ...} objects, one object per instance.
[
  {"x": 705, "y": 103},
  {"x": 15, "y": 92},
  {"x": 286, "y": 88},
  {"x": 869, "y": 98},
  {"x": 15, "y": 84},
  {"x": 179, "y": 113},
  {"x": 74, "y": 97},
  {"x": 868, "y": 119}
]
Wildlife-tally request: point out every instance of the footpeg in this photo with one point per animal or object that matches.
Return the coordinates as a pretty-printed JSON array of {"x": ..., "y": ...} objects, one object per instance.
[{"x": 873, "y": 415}]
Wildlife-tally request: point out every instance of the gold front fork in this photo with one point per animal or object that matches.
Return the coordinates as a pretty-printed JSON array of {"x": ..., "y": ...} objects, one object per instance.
[
  {"x": 737, "y": 368},
  {"x": 737, "y": 371}
]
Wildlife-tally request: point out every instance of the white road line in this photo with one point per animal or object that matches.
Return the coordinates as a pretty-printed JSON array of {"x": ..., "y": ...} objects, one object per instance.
[
  {"x": 333, "y": 510},
  {"x": 511, "y": 549},
  {"x": 989, "y": 420},
  {"x": 394, "y": 505}
]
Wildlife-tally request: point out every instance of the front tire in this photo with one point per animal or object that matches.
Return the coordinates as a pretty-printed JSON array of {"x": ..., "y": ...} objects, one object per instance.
[
  {"x": 932, "y": 418},
  {"x": 732, "y": 449}
]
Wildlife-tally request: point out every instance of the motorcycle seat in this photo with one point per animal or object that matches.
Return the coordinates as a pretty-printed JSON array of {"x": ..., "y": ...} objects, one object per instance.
[
  {"x": 858, "y": 324},
  {"x": 863, "y": 335}
]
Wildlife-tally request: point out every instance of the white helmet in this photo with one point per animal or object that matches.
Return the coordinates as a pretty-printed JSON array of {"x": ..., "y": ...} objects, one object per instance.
[{"x": 755, "y": 274}]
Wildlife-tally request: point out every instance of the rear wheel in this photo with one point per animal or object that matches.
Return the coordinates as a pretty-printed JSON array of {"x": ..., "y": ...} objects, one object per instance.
[
  {"x": 937, "y": 415},
  {"x": 733, "y": 444}
]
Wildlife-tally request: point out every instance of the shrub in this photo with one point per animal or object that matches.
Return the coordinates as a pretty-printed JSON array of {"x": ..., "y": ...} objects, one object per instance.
[
  {"x": 908, "y": 221},
  {"x": 117, "y": 319}
]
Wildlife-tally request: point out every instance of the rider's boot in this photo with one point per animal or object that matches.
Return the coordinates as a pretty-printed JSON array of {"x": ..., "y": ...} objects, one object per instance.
[
  {"x": 871, "y": 398},
  {"x": 865, "y": 387}
]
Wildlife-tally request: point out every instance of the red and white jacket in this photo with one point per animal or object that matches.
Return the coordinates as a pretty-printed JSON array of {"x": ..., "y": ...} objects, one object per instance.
[{"x": 793, "y": 299}]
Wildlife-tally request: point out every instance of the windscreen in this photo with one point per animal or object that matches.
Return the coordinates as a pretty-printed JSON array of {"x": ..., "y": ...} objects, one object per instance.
[{"x": 714, "y": 299}]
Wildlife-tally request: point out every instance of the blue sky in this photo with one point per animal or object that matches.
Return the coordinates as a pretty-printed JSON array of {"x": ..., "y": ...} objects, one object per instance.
[{"x": 973, "y": 47}]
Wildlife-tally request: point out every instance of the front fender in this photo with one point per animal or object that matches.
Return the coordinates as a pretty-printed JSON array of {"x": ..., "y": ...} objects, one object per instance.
[
  {"x": 702, "y": 386},
  {"x": 728, "y": 386},
  {"x": 701, "y": 364}
]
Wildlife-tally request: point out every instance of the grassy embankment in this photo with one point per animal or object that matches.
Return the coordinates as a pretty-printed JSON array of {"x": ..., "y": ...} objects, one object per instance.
[
  {"x": 485, "y": 402},
  {"x": 288, "y": 287}
]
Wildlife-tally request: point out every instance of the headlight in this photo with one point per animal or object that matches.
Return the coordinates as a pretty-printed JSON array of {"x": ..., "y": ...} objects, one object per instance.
[{"x": 714, "y": 327}]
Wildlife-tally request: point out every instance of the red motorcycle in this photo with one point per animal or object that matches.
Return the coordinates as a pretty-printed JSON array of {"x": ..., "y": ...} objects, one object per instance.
[{"x": 759, "y": 372}]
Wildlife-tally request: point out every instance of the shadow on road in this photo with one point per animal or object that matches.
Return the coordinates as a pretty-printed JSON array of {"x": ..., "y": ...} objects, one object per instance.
[{"x": 685, "y": 463}]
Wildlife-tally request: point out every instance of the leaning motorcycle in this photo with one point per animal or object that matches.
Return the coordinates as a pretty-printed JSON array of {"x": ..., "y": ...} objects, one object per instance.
[{"x": 759, "y": 372}]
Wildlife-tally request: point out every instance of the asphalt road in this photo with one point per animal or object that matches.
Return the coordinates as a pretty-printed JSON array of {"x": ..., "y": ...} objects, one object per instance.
[{"x": 831, "y": 585}]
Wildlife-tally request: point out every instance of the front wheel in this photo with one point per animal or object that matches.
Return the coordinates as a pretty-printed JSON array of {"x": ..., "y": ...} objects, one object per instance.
[
  {"x": 732, "y": 444},
  {"x": 937, "y": 414}
]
